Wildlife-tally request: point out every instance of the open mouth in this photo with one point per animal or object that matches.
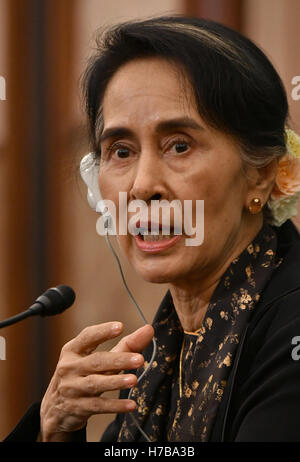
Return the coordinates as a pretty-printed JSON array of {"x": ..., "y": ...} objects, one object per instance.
[
  {"x": 147, "y": 237},
  {"x": 156, "y": 240}
]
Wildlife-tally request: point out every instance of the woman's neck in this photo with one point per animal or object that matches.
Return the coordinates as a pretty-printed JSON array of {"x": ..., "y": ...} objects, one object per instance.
[
  {"x": 191, "y": 308},
  {"x": 192, "y": 297}
]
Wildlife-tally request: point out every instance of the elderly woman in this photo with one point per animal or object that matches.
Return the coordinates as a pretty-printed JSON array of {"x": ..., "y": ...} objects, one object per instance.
[{"x": 187, "y": 109}]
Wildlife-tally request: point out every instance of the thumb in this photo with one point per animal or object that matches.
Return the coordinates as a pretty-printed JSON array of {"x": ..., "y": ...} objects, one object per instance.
[{"x": 135, "y": 342}]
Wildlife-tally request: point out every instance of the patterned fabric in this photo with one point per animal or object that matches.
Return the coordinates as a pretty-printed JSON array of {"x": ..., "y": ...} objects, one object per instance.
[{"x": 179, "y": 396}]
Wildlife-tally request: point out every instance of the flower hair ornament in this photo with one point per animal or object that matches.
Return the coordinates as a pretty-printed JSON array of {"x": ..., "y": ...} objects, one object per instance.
[{"x": 283, "y": 201}]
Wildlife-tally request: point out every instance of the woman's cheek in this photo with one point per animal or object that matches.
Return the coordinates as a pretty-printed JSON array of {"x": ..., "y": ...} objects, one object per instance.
[{"x": 124, "y": 244}]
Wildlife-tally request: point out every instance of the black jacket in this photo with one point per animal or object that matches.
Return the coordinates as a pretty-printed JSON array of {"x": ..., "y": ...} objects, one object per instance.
[{"x": 261, "y": 401}]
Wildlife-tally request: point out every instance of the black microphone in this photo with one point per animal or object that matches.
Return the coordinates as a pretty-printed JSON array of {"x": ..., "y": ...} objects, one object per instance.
[{"x": 53, "y": 301}]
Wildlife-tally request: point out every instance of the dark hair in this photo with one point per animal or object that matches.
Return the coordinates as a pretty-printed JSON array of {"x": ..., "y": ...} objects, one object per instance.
[{"x": 237, "y": 89}]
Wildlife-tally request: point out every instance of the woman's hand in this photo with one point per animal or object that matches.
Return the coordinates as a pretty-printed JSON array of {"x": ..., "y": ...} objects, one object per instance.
[{"x": 82, "y": 375}]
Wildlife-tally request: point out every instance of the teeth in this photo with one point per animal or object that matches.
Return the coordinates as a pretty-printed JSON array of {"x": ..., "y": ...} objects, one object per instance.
[{"x": 160, "y": 237}]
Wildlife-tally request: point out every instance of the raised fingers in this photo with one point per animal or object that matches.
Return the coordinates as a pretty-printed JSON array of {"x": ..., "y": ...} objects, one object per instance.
[
  {"x": 89, "y": 406},
  {"x": 92, "y": 336},
  {"x": 106, "y": 361},
  {"x": 136, "y": 341},
  {"x": 94, "y": 385}
]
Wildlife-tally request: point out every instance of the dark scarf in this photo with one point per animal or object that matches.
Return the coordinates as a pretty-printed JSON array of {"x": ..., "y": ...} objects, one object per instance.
[{"x": 204, "y": 357}]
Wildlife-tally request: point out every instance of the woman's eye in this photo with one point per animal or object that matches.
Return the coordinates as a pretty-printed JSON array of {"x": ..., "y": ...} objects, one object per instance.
[
  {"x": 117, "y": 152},
  {"x": 181, "y": 147},
  {"x": 122, "y": 153}
]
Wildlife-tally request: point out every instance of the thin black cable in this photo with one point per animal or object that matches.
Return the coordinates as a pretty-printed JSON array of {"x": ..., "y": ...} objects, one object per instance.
[{"x": 106, "y": 224}]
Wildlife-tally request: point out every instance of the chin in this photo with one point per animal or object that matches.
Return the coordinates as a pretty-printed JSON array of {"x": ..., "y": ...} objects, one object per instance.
[
  {"x": 155, "y": 279},
  {"x": 158, "y": 269},
  {"x": 155, "y": 274}
]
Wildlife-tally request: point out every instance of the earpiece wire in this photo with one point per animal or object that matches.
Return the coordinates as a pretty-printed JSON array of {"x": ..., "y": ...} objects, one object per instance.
[{"x": 144, "y": 320}]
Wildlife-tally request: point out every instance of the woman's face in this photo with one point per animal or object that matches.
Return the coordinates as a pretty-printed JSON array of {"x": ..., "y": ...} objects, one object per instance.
[{"x": 155, "y": 145}]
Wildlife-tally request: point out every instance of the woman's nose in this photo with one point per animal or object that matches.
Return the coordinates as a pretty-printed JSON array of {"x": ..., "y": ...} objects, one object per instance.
[{"x": 148, "y": 181}]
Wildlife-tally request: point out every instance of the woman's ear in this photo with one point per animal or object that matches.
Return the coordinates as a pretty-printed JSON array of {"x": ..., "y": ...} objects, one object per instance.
[
  {"x": 261, "y": 181},
  {"x": 89, "y": 171}
]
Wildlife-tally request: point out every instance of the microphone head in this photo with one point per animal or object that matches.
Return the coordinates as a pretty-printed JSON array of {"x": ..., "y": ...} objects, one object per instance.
[{"x": 56, "y": 300}]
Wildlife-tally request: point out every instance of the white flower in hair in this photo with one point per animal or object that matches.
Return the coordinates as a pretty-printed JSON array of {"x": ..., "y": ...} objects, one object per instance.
[{"x": 283, "y": 209}]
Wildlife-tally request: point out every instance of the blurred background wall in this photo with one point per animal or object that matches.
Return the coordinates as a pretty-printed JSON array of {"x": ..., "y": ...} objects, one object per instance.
[{"x": 48, "y": 234}]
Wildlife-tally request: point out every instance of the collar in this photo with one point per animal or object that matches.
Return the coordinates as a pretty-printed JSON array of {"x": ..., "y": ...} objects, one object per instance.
[{"x": 286, "y": 278}]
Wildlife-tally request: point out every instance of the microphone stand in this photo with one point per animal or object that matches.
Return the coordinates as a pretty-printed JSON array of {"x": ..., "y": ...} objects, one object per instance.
[
  {"x": 54, "y": 301},
  {"x": 17, "y": 318}
]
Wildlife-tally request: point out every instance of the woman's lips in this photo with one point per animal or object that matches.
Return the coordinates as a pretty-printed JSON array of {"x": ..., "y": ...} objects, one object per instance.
[{"x": 155, "y": 246}]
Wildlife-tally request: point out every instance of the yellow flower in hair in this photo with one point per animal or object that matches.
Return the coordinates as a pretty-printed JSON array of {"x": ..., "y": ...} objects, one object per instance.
[
  {"x": 292, "y": 142},
  {"x": 283, "y": 209}
]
